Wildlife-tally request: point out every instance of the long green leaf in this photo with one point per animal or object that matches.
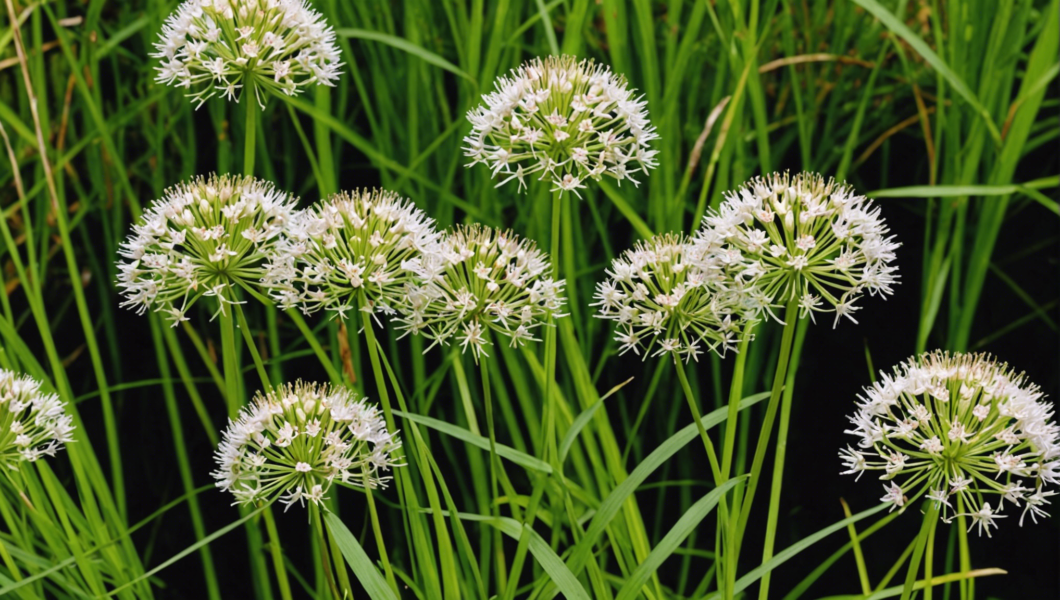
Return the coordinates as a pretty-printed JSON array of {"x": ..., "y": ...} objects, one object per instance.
[
  {"x": 373, "y": 581},
  {"x": 897, "y": 26},
  {"x": 673, "y": 538}
]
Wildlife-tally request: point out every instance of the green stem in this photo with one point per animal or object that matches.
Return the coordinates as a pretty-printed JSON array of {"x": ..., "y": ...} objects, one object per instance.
[
  {"x": 930, "y": 518},
  {"x": 275, "y": 549},
  {"x": 251, "y": 131},
  {"x": 726, "y": 523},
  {"x": 549, "y": 449},
  {"x": 325, "y": 560},
  {"x": 244, "y": 327},
  {"x": 378, "y": 531},
  {"x": 698, "y": 418},
  {"x": 790, "y": 316},
  {"x": 487, "y": 399},
  {"x": 929, "y": 559},
  {"x": 781, "y": 453},
  {"x": 966, "y": 584},
  {"x": 231, "y": 363}
]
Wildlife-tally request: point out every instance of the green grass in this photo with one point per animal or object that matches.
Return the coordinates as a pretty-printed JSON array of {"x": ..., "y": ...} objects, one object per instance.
[{"x": 591, "y": 492}]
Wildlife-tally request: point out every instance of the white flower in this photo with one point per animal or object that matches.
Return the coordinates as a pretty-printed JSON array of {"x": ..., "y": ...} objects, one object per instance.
[
  {"x": 216, "y": 47},
  {"x": 959, "y": 426},
  {"x": 32, "y": 423},
  {"x": 363, "y": 245},
  {"x": 565, "y": 119},
  {"x": 984, "y": 518},
  {"x": 194, "y": 242},
  {"x": 676, "y": 291},
  {"x": 893, "y": 496},
  {"x": 262, "y": 455},
  {"x": 480, "y": 279},
  {"x": 824, "y": 241}
]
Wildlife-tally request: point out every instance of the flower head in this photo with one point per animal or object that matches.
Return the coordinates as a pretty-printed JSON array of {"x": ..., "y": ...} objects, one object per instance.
[
  {"x": 203, "y": 238},
  {"x": 482, "y": 279},
  {"x": 562, "y": 119},
  {"x": 354, "y": 250},
  {"x": 32, "y": 424},
  {"x": 810, "y": 240},
  {"x": 670, "y": 295},
  {"x": 298, "y": 440},
  {"x": 213, "y": 47},
  {"x": 962, "y": 428}
]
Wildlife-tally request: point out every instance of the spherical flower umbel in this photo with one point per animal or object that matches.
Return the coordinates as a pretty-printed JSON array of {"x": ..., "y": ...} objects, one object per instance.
[
  {"x": 482, "y": 279},
  {"x": 810, "y": 240},
  {"x": 296, "y": 441},
  {"x": 205, "y": 237},
  {"x": 967, "y": 431},
  {"x": 668, "y": 298},
  {"x": 562, "y": 119},
  {"x": 216, "y": 47},
  {"x": 355, "y": 250},
  {"x": 32, "y": 423}
]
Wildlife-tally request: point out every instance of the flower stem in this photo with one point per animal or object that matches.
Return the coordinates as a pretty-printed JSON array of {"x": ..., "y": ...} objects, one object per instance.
[
  {"x": 727, "y": 523},
  {"x": 244, "y": 327},
  {"x": 790, "y": 316},
  {"x": 781, "y": 452},
  {"x": 231, "y": 364},
  {"x": 966, "y": 585},
  {"x": 930, "y": 518},
  {"x": 275, "y": 549},
  {"x": 698, "y": 418},
  {"x": 487, "y": 399},
  {"x": 325, "y": 560},
  {"x": 378, "y": 531},
  {"x": 251, "y": 131}
]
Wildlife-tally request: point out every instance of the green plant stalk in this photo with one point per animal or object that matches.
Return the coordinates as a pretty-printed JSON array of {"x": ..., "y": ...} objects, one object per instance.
[
  {"x": 275, "y": 547},
  {"x": 549, "y": 448},
  {"x": 250, "y": 132},
  {"x": 325, "y": 560},
  {"x": 929, "y": 558},
  {"x": 693, "y": 405},
  {"x": 930, "y": 518},
  {"x": 726, "y": 523},
  {"x": 790, "y": 320},
  {"x": 230, "y": 361},
  {"x": 487, "y": 399},
  {"x": 966, "y": 585},
  {"x": 781, "y": 452},
  {"x": 276, "y": 550},
  {"x": 384, "y": 396},
  {"x": 377, "y": 529},
  {"x": 186, "y": 478}
]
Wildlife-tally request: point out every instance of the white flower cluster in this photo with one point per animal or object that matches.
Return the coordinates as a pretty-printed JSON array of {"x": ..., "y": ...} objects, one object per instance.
[
  {"x": 564, "y": 119},
  {"x": 365, "y": 245},
  {"x": 216, "y": 47},
  {"x": 482, "y": 279},
  {"x": 963, "y": 428},
  {"x": 203, "y": 238},
  {"x": 672, "y": 294},
  {"x": 810, "y": 240},
  {"x": 300, "y": 439},
  {"x": 32, "y": 424}
]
